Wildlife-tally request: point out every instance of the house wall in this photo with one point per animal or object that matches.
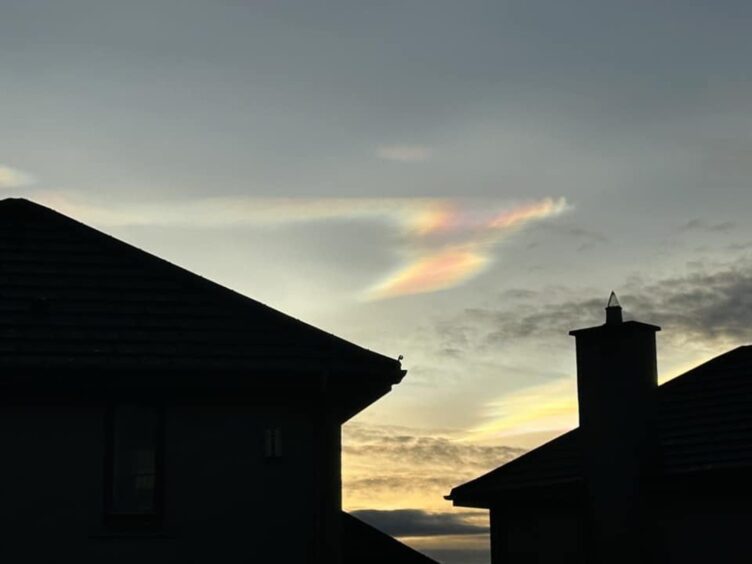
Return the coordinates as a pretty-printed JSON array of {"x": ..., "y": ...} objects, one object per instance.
[
  {"x": 697, "y": 521},
  {"x": 224, "y": 501},
  {"x": 529, "y": 534},
  {"x": 704, "y": 536},
  {"x": 710, "y": 524}
]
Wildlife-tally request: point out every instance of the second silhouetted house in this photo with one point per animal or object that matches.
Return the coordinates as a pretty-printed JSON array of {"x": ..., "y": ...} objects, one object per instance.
[
  {"x": 149, "y": 415},
  {"x": 652, "y": 473}
]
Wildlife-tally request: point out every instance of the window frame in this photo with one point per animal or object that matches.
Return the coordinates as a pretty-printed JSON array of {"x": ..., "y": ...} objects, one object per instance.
[
  {"x": 273, "y": 445},
  {"x": 111, "y": 517}
]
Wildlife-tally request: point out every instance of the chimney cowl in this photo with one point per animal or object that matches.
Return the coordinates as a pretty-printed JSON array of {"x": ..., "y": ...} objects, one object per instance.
[{"x": 613, "y": 310}]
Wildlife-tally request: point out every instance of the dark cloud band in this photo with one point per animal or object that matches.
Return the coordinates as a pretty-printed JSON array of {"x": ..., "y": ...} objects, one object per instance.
[{"x": 418, "y": 523}]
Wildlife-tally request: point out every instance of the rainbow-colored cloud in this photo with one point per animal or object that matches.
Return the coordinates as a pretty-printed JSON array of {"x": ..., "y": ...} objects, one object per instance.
[
  {"x": 450, "y": 244},
  {"x": 445, "y": 268},
  {"x": 445, "y": 242}
]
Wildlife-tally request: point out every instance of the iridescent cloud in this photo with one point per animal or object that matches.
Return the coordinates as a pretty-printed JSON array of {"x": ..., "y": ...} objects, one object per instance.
[
  {"x": 516, "y": 217},
  {"x": 434, "y": 217},
  {"x": 446, "y": 242},
  {"x": 444, "y": 269},
  {"x": 450, "y": 263}
]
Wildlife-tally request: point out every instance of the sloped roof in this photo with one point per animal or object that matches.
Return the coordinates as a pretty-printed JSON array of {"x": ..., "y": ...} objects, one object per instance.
[
  {"x": 363, "y": 544},
  {"x": 73, "y": 296},
  {"x": 704, "y": 423}
]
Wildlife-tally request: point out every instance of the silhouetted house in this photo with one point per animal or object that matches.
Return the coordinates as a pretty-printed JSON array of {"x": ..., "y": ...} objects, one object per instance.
[
  {"x": 149, "y": 415},
  {"x": 652, "y": 474}
]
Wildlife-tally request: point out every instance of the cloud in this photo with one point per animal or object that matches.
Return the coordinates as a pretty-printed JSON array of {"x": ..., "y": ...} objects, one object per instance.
[
  {"x": 405, "y": 445},
  {"x": 703, "y": 312},
  {"x": 464, "y": 555},
  {"x": 550, "y": 406},
  {"x": 533, "y": 317},
  {"x": 443, "y": 242},
  {"x": 712, "y": 306},
  {"x": 419, "y": 523},
  {"x": 519, "y": 216},
  {"x": 464, "y": 549},
  {"x": 14, "y": 178},
  {"x": 444, "y": 269},
  {"x": 404, "y": 153},
  {"x": 702, "y": 225},
  {"x": 220, "y": 212},
  {"x": 706, "y": 304},
  {"x": 392, "y": 467},
  {"x": 456, "y": 244}
]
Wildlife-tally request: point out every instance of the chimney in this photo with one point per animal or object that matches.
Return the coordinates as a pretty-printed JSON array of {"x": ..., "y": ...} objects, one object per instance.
[{"x": 616, "y": 388}]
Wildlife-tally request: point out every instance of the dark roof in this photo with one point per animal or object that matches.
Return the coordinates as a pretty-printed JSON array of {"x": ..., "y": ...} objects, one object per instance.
[
  {"x": 704, "y": 423},
  {"x": 363, "y": 544},
  {"x": 73, "y": 296}
]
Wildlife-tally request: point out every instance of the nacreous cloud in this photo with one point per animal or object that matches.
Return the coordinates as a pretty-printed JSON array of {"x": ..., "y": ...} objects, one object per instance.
[
  {"x": 451, "y": 245},
  {"x": 444, "y": 269},
  {"x": 445, "y": 242}
]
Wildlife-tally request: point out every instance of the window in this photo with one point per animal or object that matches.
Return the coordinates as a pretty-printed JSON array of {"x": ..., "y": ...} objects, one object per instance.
[
  {"x": 133, "y": 478},
  {"x": 273, "y": 442}
]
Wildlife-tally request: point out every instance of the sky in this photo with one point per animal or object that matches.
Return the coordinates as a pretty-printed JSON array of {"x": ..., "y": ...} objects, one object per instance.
[{"x": 460, "y": 183}]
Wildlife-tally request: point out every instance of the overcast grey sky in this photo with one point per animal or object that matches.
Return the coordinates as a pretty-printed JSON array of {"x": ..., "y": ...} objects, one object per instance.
[{"x": 463, "y": 183}]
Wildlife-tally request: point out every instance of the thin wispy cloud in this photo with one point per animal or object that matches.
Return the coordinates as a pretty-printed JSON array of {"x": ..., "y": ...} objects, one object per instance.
[
  {"x": 442, "y": 242},
  {"x": 13, "y": 178},
  {"x": 393, "y": 467},
  {"x": 708, "y": 227},
  {"x": 404, "y": 153},
  {"x": 241, "y": 211}
]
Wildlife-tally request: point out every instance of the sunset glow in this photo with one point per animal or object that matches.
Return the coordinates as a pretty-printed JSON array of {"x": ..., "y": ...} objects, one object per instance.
[{"x": 457, "y": 185}]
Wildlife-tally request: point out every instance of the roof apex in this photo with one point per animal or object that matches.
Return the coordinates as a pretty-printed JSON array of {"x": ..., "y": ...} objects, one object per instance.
[{"x": 107, "y": 301}]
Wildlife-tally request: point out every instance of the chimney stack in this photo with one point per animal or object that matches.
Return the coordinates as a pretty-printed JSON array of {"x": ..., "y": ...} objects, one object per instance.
[{"x": 616, "y": 387}]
